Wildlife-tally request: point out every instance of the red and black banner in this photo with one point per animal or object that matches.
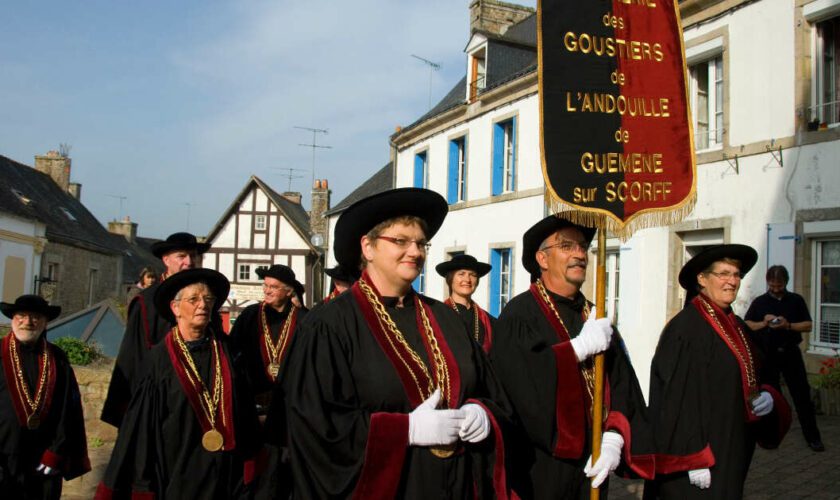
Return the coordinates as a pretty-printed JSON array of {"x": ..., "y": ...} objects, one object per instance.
[{"x": 615, "y": 126}]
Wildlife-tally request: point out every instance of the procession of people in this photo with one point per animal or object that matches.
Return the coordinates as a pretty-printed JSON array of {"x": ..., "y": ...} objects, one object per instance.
[{"x": 383, "y": 392}]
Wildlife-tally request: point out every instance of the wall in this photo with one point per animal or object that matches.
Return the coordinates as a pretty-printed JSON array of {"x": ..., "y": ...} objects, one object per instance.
[
  {"x": 24, "y": 240},
  {"x": 71, "y": 291}
]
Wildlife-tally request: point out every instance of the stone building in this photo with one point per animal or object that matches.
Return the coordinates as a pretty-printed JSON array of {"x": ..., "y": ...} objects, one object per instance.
[{"x": 79, "y": 263}]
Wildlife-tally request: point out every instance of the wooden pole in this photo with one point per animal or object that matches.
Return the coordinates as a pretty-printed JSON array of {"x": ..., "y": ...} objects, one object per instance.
[{"x": 598, "y": 397}]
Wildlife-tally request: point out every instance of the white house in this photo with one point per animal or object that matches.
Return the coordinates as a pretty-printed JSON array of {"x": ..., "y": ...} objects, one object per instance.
[{"x": 22, "y": 243}]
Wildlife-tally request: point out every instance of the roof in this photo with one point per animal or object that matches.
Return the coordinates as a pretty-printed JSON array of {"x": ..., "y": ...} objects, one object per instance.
[
  {"x": 382, "y": 180},
  {"x": 26, "y": 192},
  {"x": 136, "y": 256},
  {"x": 100, "y": 323},
  {"x": 509, "y": 57},
  {"x": 294, "y": 212}
]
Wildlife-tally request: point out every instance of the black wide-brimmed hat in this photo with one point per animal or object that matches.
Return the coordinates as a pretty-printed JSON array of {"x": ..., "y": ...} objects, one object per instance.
[
  {"x": 537, "y": 233},
  {"x": 342, "y": 273},
  {"x": 216, "y": 281},
  {"x": 463, "y": 261},
  {"x": 32, "y": 304},
  {"x": 743, "y": 253},
  {"x": 299, "y": 289},
  {"x": 279, "y": 272},
  {"x": 365, "y": 214},
  {"x": 178, "y": 241}
]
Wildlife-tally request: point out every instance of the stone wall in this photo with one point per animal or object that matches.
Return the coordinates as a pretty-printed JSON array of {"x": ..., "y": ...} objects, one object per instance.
[
  {"x": 93, "y": 384},
  {"x": 71, "y": 288}
]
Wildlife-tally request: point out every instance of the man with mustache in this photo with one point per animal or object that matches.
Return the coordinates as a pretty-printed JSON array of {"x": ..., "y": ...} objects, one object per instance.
[
  {"x": 144, "y": 327},
  {"x": 42, "y": 429},
  {"x": 543, "y": 348}
]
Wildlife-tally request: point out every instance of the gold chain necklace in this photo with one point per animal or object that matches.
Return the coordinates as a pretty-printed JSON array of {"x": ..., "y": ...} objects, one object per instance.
[
  {"x": 274, "y": 350},
  {"x": 388, "y": 326},
  {"x": 475, "y": 317},
  {"x": 212, "y": 439},
  {"x": 748, "y": 367},
  {"x": 33, "y": 418},
  {"x": 587, "y": 368}
]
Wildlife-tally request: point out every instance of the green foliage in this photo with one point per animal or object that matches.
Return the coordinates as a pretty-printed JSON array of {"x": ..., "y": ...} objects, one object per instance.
[
  {"x": 829, "y": 373},
  {"x": 95, "y": 442},
  {"x": 77, "y": 351}
]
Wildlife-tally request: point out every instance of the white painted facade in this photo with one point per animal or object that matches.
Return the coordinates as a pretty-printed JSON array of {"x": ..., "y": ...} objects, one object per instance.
[{"x": 21, "y": 246}]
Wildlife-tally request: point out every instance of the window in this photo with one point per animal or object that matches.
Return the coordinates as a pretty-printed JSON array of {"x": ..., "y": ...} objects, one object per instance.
[
  {"x": 421, "y": 170},
  {"x": 67, "y": 213},
  {"x": 827, "y": 290},
  {"x": 501, "y": 279},
  {"x": 259, "y": 223},
  {"x": 457, "y": 183},
  {"x": 706, "y": 80},
  {"x": 419, "y": 283},
  {"x": 478, "y": 73},
  {"x": 244, "y": 272},
  {"x": 827, "y": 109},
  {"x": 52, "y": 271},
  {"x": 612, "y": 286},
  {"x": 504, "y": 157}
]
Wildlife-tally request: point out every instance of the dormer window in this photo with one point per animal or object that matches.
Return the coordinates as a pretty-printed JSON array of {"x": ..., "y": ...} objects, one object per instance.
[
  {"x": 67, "y": 213},
  {"x": 20, "y": 196},
  {"x": 477, "y": 72}
]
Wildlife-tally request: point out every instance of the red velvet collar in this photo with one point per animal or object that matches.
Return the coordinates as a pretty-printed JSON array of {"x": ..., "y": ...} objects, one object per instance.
[{"x": 18, "y": 399}]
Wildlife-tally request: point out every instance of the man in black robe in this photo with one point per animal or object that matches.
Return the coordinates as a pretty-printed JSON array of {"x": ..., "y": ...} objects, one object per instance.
[
  {"x": 144, "y": 327},
  {"x": 708, "y": 403},
  {"x": 778, "y": 318},
  {"x": 264, "y": 333},
  {"x": 42, "y": 430},
  {"x": 542, "y": 352},
  {"x": 191, "y": 430}
]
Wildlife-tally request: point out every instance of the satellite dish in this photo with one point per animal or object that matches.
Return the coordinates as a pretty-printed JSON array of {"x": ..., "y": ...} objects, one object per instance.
[{"x": 317, "y": 240}]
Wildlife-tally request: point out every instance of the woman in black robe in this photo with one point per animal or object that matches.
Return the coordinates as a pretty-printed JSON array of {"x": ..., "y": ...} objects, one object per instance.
[
  {"x": 707, "y": 403},
  {"x": 462, "y": 274},
  {"x": 387, "y": 393},
  {"x": 190, "y": 430}
]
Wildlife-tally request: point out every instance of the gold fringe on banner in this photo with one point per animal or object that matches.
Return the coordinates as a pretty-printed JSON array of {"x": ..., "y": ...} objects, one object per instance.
[{"x": 623, "y": 230}]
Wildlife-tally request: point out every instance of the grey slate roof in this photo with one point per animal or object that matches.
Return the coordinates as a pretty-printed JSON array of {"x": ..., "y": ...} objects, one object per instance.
[
  {"x": 135, "y": 257},
  {"x": 47, "y": 204},
  {"x": 382, "y": 180}
]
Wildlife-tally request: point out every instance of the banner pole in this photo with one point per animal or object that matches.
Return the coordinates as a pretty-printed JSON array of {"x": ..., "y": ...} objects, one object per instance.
[{"x": 598, "y": 397}]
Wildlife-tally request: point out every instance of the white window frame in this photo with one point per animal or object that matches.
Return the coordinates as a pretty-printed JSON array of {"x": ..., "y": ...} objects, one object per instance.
[
  {"x": 816, "y": 343},
  {"x": 244, "y": 272},
  {"x": 509, "y": 158},
  {"x": 259, "y": 222},
  {"x": 462, "y": 169},
  {"x": 613, "y": 267},
  {"x": 712, "y": 69},
  {"x": 817, "y": 12},
  {"x": 505, "y": 273}
]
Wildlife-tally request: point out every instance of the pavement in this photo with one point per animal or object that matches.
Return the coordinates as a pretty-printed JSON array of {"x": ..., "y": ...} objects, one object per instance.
[{"x": 790, "y": 472}]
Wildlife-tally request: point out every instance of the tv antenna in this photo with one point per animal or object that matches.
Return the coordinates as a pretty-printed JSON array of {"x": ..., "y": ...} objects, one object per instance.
[
  {"x": 189, "y": 206},
  {"x": 314, "y": 145},
  {"x": 290, "y": 174},
  {"x": 121, "y": 198},
  {"x": 433, "y": 66}
]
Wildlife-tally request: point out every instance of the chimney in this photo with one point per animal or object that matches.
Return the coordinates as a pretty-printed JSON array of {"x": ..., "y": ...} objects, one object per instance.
[
  {"x": 75, "y": 190},
  {"x": 496, "y": 17},
  {"x": 124, "y": 227},
  {"x": 57, "y": 166},
  {"x": 292, "y": 196},
  {"x": 320, "y": 204}
]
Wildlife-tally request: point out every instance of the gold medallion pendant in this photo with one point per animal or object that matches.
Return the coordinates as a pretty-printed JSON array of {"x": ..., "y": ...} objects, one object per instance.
[
  {"x": 33, "y": 422},
  {"x": 445, "y": 451},
  {"x": 274, "y": 369},
  {"x": 212, "y": 440}
]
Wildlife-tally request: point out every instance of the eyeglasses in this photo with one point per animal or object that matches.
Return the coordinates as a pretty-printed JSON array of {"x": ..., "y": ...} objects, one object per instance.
[
  {"x": 422, "y": 245},
  {"x": 193, "y": 301},
  {"x": 568, "y": 246},
  {"x": 726, "y": 276}
]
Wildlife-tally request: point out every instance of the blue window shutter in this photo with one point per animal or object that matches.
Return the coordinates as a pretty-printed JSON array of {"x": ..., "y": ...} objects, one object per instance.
[
  {"x": 513, "y": 135},
  {"x": 419, "y": 170},
  {"x": 466, "y": 167},
  {"x": 452, "y": 184},
  {"x": 417, "y": 284},
  {"x": 495, "y": 282},
  {"x": 498, "y": 158}
]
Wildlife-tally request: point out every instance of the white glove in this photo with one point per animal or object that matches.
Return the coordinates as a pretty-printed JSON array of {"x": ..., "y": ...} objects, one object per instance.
[
  {"x": 763, "y": 404},
  {"x": 611, "y": 444},
  {"x": 476, "y": 425},
  {"x": 593, "y": 338},
  {"x": 430, "y": 427},
  {"x": 702, "y": 478},
  {"x": 46, "y": 470}
]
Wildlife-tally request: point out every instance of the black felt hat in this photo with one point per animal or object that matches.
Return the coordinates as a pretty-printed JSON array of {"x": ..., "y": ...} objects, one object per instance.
[
  {"x": 342, "y": 273},
  {"x": 743, "y": 253},
  {"x": 537, "y": 233},
  {"x": 299, "y": 289},
  {"x": 178, "y": 241},
  {"x": 463, "y": 261},
  {"x": 279, "y": 272},
  {"x": 216, "y": 281},
  {"x": 32, "y": 304},
  {"x": 365, "y": 214}
]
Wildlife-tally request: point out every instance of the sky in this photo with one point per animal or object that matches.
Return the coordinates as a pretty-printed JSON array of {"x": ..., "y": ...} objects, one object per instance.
[{"x": 169, "y": 107}]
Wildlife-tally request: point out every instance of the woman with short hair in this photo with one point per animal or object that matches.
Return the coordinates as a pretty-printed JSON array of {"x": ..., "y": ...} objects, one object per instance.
[{"x": 462, "y": 274}]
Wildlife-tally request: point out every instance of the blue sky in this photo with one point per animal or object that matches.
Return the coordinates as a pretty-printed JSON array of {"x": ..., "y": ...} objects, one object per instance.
[{"x": 176, "y": 103}]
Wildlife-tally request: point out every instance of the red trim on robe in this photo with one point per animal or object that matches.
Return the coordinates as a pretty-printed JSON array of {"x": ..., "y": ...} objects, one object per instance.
[
  {"x": 775, "y": 425},
  {"x": 385, "y": 452},
  {"x": 105, "y": 493},
  {"x": 643, "y": 465},
  {"x": 224, "y": 422},
  {"x": 52, "y": 460},
  {"x": 15, "y": 395},
  {"x": 499, "y": 475},
  {"x": 263, "y": 351},
  {"x": 703, "y": 459}
]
